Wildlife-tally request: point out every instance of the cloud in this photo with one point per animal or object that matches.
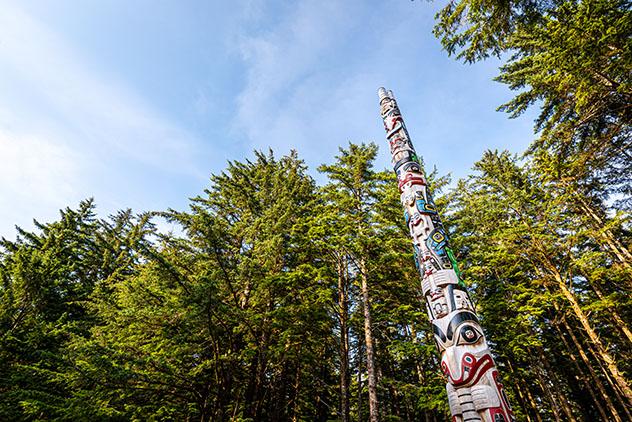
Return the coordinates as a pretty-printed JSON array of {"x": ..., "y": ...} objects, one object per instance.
[
  {"x": 98, "y": 107},
  {"x": 36, "y": 169},
  {"x": 278, "y": 62},
  {"x": 65, "y": 126},
  {"x": 312, "y": 78},
  {"x": 38, "y": 178}
]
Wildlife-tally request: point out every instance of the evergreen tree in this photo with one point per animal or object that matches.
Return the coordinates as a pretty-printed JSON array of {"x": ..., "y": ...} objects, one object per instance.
[
  {"x": 352, "y": 189},
  {"x": 520, "y": 245},
  {"x": 48, "y": 277}
]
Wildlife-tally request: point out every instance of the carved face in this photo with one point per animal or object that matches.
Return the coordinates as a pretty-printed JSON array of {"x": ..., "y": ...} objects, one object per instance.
[
  {"x": 394, "y": 120},
  {"x": 409, "y": 167},
  {"x": 408, "y": 199},
  {"x": 438, "y": 303},
  {"x": 396, "y": 143},
  {"x": 430, "y": 262},
  {"x": 460, "y": 328},
  {"x": 387, "y": 106},
  {"x": 468, "y": 334},
  {"x": 461, "y": 300},
  {"x": 437, "y": 242},
  {"x": 410, "y": 179},
  {"x": 397, "y": 156},
  {"x": 413, "y": 192},
  {"x": 425, "y": 207},
  {"x": 479, "y": 387},
  {"x": 415, "y": 219}
]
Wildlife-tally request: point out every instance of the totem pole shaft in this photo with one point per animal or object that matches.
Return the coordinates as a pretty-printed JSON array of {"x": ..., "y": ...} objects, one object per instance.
[{"x": 474, "y": 390}]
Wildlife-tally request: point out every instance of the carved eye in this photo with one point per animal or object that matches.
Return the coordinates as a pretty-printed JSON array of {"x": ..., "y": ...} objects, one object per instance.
[
  {"x": 438, "y": 237},
  {"x": 468, "y": 334}
]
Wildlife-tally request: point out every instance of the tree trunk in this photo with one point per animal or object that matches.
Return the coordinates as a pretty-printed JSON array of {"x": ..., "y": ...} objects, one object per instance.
[
  {"x": 359, "y": 357},
  {"x": 280, "y": 401},
  {"x": 368, "y": 337},
  {"x": 582, "y": 377},
  {"x": 254, "y": 397},
  {"x": 558, "y": 392},
  {"x": 591, "y": 370},
  {"x": 594, "y": 338},
  {"x": 522, "y": 386},
  {"x": 618, "y": 249},
  {"x": 517, "y": 380},
  {"x": 523, "y": 404},
  {"x": 581, "y": 316},
  {"x": 296, "y": 393},
  {"x": 343, "y": 314},
  {"x": 547, "y": 391},
  {"x": 534, "y": 405},
  {"x": 418, "y": 367},
  {"x": 394, "y": 402}
]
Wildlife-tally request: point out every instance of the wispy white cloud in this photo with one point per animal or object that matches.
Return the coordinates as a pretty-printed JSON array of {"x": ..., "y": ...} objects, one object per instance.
[
  {"x": 64, "y": 124},
  {"x": 313, "y": 74},
  {"x": 96, "y": 105},
  {"x": 312, "y": 78},
  {"x": 307, "y": 74},
  {"x": 36, "y": 169},
  {"x": 279, "y": 63},
  {"x": 36, "y": 173}
]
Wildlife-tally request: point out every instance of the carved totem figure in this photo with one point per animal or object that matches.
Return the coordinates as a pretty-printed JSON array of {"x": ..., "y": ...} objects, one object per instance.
[{"x": 474, "y": 390}]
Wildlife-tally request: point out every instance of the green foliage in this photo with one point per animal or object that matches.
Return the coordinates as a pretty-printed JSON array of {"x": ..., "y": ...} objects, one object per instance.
[
  {"x": 476, "y": 29},
  {"x": 238, "y": 318},
  {"x": 242, "y": 316},
  {"x": 546, "y": 243},
  {"x": 575, "y": 62},
  {"x": 518, "y": 239},
  {"x": 47, "y": 280},
  {"x": 572, "y": 59}
]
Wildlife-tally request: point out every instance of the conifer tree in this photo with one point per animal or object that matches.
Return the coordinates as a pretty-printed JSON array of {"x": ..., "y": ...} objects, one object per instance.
[
  {"x": 530, "y": 239},
  {"x": 353, "y": 189}
]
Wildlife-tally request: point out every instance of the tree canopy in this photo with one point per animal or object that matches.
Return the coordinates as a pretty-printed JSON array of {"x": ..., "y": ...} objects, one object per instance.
[{"x": 281, "y": 299}]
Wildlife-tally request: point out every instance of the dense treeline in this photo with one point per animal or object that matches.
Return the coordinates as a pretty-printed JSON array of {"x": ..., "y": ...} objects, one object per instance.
[
  {"x": 256, "y": 309},
  {"x": 279, "y": 299}
]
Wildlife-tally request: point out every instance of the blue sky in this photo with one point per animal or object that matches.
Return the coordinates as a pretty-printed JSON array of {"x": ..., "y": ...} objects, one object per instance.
[{"x": 136, "y": 103}]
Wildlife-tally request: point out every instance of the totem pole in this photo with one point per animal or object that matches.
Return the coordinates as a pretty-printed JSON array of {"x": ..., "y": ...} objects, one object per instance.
[{"x": 474, "y": 391}]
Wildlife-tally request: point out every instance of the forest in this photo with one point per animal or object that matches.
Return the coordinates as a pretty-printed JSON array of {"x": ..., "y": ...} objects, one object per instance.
[{"x": 279, "y": 299}]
